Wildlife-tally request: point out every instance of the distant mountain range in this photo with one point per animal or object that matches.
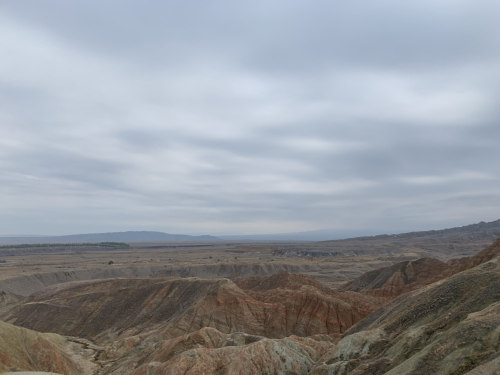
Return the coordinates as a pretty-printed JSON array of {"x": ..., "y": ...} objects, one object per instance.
[
  {"x": 462, "y": 235},
  {"x": 452, "y": 242},
  {"x": 327, "y": 235},
  {"x": 314, "y": 235},
  {"x": 128, "y": 237},
  {"x": 473, "y": 230}
]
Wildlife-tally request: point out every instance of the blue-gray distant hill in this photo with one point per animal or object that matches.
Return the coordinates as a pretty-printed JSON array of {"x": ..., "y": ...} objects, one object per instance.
[
  {"x": 481, "y": 231},
  {"x": 447, "y": 243},
  {"x": 128, "y": 237}
]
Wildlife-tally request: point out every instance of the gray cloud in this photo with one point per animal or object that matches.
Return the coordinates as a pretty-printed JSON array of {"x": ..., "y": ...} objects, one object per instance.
[{"x": 253, "y": 117}]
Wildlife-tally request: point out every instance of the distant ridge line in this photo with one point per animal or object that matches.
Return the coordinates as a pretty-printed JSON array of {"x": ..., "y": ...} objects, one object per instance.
[
  {"x": 493, "y": 225},
  {"x": 126, "y": 237}
]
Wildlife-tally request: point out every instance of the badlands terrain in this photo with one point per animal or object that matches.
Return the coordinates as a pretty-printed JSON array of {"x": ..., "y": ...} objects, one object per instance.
[{"x": 415, "y": 303}]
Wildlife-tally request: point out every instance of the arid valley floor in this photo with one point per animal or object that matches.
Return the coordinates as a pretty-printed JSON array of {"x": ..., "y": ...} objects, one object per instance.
[{"x": 416, "y": 303}]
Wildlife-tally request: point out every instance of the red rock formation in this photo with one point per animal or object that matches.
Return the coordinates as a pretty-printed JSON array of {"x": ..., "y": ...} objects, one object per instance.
[{"x": 178, "y": 306}]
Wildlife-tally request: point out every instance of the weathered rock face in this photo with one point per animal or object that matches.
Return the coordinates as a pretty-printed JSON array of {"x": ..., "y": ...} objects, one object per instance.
[
  {"x": 23, "y": 349},
  {"x": 399, "y": 278},
  {"x": 406, "y": 276},
  {"x": 304, "y": 297},
  {"x": 209, "y": 351},
  {"x": 26, "y": 285},
  {"x": 449, "y": 327},
  {"x": 124, "y": 307},
  {"x": 284, "y": 356},
  {"x": 8, "y": 299},
  {"x": 283, "y": 280},
  {"x": 194, "y": 326},
  {"x": 458, "y": 265}
]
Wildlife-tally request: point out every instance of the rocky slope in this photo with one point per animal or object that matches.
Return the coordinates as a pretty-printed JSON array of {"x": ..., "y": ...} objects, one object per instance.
[
  {"x": 443, "y": 244},
  {"x": 403, "y": 277},
  {"x": 283, "y": 280},
  {"x": 449, "y": 327},
  {"x": 24, "y": 349},
  {"x": 25, "y": 285},
  {"x": 105, "y": 309},
  {"x": 399, "y": 278},
  {"x": 8, "y": 299},
  {"x": 461, "y": 264},
  {"x": 209, "y": 351}
]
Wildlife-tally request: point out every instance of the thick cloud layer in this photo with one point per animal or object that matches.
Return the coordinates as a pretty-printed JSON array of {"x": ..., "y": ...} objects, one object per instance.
[{"x": 248, "y": 117}]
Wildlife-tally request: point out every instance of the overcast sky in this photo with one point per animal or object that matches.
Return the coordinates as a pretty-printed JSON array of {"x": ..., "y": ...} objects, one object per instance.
[{"x": 248, "y": 116}]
